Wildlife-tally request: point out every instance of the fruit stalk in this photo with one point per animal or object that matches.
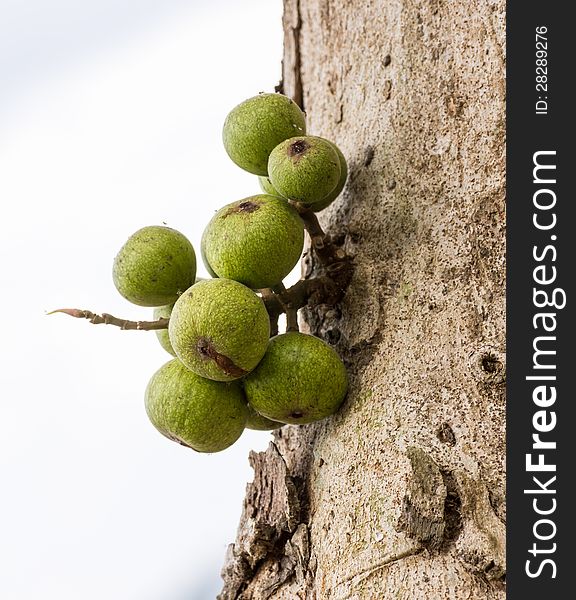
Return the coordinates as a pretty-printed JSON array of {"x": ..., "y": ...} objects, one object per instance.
[
  {"x": 274, "y": 308},
  {"x": 319, "y": 290},
  {"x": 108, "y": 319},
  {"x": 324, "y": 289},
  {"x": 327, "y": 252},
  {"x": 291, "y": 311}
]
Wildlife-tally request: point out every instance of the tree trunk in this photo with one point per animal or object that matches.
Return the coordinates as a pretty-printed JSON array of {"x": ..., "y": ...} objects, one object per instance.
[{"x": 402, "y": 493}]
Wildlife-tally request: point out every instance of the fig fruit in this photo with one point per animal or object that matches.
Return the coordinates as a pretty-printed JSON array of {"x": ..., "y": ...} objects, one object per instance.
[
  {"x": 154, "y": 266},
  {"x": 256, "y": 126},
  {"x": 256, "y": 241},
  {"x": 305, "y": 169},
  {"x": 260, "y": 423},
  {"x": 300, "y": 379},
  {"x": 205, "y": 415},
  {"x": 267, "y": 187},
  {"x": 164, "y": 312},
  {"x": 318, "y": 206},
  {"x": 219, "y": 329}
]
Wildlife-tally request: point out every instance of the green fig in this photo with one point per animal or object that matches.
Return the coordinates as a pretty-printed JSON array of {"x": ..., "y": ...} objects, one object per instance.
[
  {"x": 256, "y": 126},
  {"x": 205, "y": 415},
  {"x": 164, "y": 312},
  {"x": 205, "y": 260},
  {"x": 318, "y": 206},
  {"x": 256, "y": 241},
  {"x": 305, "y": 169},
  {"x": 154, "y": 266},
  {"x": 259, "y": 423},
  {"x": 219, "y": 329},
  {"x": 267, "y": 187},
  {"x": 299, "y": 380}
]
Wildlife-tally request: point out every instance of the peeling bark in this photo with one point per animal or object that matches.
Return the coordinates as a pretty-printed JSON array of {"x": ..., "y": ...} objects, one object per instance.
[
  {"x": 402, "y": 493},
  {"x": 422, "y": 516}
]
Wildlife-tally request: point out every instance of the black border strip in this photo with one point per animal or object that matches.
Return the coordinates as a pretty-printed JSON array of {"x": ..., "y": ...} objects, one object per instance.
[{"x": 549, "y": 251}]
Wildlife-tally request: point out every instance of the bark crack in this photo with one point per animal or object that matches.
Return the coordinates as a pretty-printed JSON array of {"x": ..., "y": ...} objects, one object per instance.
[
  {"x": 291, "y": 83},
  {"x": 367, "y": 572},
  {"x": 296, "y": 32}
]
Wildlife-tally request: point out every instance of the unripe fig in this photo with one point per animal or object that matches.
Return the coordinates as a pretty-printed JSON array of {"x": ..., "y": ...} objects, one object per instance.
[
  {"x": 164, "y": 312},
  {"x": 299, "y": 380},
  {"x": 154, "y": 266},
  {"x": 256, "y": 126},
  {"x": 256, "y": 241},
  {"x": 260, "y": 423},
  {"x": 267, "y": 187},
  {"x": 205, "y": 415},
  {"x": 205, "y": 260},
  {"x": 219, "y": 329},
  {"x": 305, "y": 169},
  {"x": 318, "y": 206}
]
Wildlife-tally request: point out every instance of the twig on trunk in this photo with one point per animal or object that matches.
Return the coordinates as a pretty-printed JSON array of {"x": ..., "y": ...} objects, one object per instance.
[
  {"x": 291, "y": 311},
  {"x": 108, "y": 319},
  {"x": 326, "y": 251},
  {"x": 320, "y": 290},
  {"x": 274, "y": 308},
  {"x": 324, "y": 289}
]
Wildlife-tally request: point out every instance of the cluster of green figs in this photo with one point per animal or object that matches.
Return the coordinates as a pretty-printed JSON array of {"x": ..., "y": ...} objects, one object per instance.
[{"x": 227, "y": 373}]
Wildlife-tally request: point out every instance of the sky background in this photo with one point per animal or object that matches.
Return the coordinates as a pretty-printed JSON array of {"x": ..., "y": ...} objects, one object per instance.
[{"x": 110, "y": 120}]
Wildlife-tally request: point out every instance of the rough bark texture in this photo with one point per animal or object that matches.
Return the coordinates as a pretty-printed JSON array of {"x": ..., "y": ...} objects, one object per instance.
[{"x": 401, "y": 494}]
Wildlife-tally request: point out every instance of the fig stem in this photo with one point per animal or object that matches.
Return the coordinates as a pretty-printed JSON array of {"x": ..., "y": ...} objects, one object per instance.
[
  {"x": 326, "y": 251},
  {"x": 274, "y": 309},
  {"x": 312, "y": 292},
  {"x": 291, "y": 311},
  {"x": 108, "y": 319}
]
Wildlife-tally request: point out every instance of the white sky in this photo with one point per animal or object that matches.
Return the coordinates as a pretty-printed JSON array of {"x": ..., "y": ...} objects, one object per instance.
[{"x": 110, "y": 119}]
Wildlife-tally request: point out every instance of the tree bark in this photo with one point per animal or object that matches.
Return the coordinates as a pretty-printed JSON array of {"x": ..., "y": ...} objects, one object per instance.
[{"x": 402, "y": 493}]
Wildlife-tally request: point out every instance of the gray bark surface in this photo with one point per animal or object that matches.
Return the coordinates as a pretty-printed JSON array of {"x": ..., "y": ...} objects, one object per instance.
[{"x": 401, "y": 495}]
